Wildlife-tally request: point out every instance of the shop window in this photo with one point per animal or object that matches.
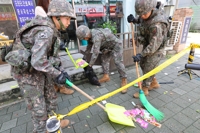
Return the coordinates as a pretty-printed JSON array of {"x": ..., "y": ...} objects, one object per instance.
[
  {"x": 1, "y": 9},
  {"x": 69, "y": 36},
  {"x": 7, "y": 9}
]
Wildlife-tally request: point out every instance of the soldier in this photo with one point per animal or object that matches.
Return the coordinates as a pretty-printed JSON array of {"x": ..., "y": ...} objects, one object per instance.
[
  {"x": 103, "y": 41},
  {"x": 152, "y": 35},
  {"x": 41, "y": 10},
  {"x": 37, "y": 83}
]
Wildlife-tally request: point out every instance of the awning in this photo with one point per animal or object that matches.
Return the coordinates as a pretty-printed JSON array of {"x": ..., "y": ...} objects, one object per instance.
[{"x": 95, "y": 15}]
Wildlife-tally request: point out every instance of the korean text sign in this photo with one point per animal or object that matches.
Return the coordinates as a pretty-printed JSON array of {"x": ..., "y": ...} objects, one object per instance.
[
  {"x": 185, "y": 30},
  {"x": 25, "y": 10}
]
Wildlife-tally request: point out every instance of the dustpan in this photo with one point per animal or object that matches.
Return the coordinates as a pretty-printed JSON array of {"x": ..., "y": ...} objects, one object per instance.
[
  {"x": 115, "y": 112},
  {"x": 116, "y": 115}
]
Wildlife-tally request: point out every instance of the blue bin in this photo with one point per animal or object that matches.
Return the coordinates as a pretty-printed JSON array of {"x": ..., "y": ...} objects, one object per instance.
[{"x": 84, "y": 42}]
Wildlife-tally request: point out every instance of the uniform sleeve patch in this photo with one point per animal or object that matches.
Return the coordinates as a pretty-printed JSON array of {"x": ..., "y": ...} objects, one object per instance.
[
  {"x": 43, "y": 35},
  {"x": 153, "y": 30}
]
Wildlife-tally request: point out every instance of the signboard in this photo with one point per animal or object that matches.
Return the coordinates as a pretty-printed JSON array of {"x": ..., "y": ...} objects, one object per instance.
[
  {"x": 83, "y": 9},
  {"x": 185, "y": 30},
  {"x": 7, "y": 16},
  {"x": 112, "y": 9},
  {"x": 5, "y": 2},
  {"x": 24, "y": 9}
]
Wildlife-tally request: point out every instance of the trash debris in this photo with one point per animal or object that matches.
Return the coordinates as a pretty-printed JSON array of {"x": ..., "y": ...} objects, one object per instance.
[
  {"x": 189, "y": 100},
  {"x": 165, "y": 92},
  {"x": 133, "y": 103},
  {"x": 198, "y": 111},
  {"x": 104, "y": 102},
  {"x": 86, "y": 125},
  {"x": 112, "y": 73},
  {"x": 142, "y": 116},
  {"x": 93, "y": 96},
  {"x": 136, "y": 85},
  {"x": 88, "y": 116},
  {"x": 166, "y": 73},
  {"x": 178, "y": 67}
]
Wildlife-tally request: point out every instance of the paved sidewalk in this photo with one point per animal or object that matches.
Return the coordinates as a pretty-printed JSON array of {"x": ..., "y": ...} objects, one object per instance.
[{"x": 180, "y": 103}]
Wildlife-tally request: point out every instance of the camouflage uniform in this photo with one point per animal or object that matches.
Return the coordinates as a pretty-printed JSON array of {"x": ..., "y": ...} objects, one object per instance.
[
  {"x": 109, "y": 46},
  {"x": 37, "y": 83},
  {"x": 152, "y": 35}
]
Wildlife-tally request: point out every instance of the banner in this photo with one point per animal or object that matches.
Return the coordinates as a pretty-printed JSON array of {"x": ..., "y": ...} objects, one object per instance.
[{"x": 24, "y": 9}]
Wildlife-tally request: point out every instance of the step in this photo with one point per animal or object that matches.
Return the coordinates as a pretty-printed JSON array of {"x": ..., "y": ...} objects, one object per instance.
[{"x": 6, "y": 81}]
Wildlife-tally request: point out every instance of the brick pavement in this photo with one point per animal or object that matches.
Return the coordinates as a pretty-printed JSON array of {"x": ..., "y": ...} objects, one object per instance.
[{"x": 180, "y": 103}]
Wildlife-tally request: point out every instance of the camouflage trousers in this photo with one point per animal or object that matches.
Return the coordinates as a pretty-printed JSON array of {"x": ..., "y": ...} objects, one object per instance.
[
  {"x": 41, "y": 100},
  {"x": 148, "y": 63},
  {"x": 117, "y": 55}
]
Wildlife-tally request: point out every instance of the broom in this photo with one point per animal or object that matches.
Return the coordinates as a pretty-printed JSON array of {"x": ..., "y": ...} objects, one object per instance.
[{"x": 152, "y": 110}]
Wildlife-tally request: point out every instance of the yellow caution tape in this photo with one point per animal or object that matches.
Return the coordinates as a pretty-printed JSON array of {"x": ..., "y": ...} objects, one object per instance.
[{"x": 152, "y": 72}]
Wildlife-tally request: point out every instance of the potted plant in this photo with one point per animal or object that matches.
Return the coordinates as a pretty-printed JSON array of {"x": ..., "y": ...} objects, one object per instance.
[{"x": 111, "y": 25}]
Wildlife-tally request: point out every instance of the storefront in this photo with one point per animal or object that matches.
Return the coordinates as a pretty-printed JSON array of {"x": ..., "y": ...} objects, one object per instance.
[{"x": 8, "y": 21}]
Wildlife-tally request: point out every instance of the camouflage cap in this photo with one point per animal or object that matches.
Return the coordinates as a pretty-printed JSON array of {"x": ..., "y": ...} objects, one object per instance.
[
  {"x": 82, "y": 31},
  {"x": 144, "y": 6},
  {"x": 61, "y": 8}
]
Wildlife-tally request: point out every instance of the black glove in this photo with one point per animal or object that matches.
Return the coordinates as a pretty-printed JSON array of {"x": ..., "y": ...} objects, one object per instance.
[
  {"x": 88, "y": 69},
  {"x": 131, "y": 18},
  {"x": 61, "y": 79},
  {"x": 137, "y": 58}
]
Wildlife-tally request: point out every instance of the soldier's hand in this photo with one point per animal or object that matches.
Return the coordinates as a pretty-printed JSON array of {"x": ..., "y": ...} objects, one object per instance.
[
  {"x": 131, "y": 19},
  {"x": 88, "y": 69},
  {"x": 137, "y": 58},
  {"x": 61, "y": 79}
]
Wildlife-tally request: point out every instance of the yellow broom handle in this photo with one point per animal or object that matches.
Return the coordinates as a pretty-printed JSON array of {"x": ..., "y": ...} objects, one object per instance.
[
  {"x": 134, "y": 52},
  {"x": 71, "y": 57}
]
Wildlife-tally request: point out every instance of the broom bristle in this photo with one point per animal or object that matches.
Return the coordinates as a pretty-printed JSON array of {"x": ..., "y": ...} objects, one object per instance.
[{"x": 152, "y": 110}]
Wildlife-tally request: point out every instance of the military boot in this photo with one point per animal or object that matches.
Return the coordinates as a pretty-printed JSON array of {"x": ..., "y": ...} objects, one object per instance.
[
  {"x": 65, "y": 90},
  {"x": 64, "y": 123},
  {"x": 123, "y": 83},
  {"x": 154, "y": 84},
  {"x": 56, "y": 87},
  {"x": 146, "y": 92},
  {"x": 105, "y": 78}
]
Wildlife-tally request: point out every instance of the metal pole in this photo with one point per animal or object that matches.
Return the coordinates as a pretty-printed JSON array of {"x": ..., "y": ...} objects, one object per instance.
[
  {"x": 176, "y": 5},
  {"x": 76, "y": 24}
]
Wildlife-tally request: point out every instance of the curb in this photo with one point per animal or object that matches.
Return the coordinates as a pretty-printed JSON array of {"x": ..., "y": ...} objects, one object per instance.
[{"x": 8, "y": 94}]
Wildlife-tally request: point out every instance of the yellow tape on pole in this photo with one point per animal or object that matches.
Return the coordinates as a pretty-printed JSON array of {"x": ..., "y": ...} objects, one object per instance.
[{"x": 153, "y": 72}]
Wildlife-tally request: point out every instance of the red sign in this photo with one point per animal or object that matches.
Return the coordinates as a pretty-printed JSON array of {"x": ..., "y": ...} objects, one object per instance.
[
  {"x": 88, "y": 9},
  {"x": 112, "y": 9},
  {"x": 7, "y": 16}
]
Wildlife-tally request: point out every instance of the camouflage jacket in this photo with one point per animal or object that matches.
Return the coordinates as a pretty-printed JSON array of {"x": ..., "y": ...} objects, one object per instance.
[
  {"x": 153, "y": 33},
  {"x": 103, "y": 39},
  {"x": 42, "y": 41}
]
